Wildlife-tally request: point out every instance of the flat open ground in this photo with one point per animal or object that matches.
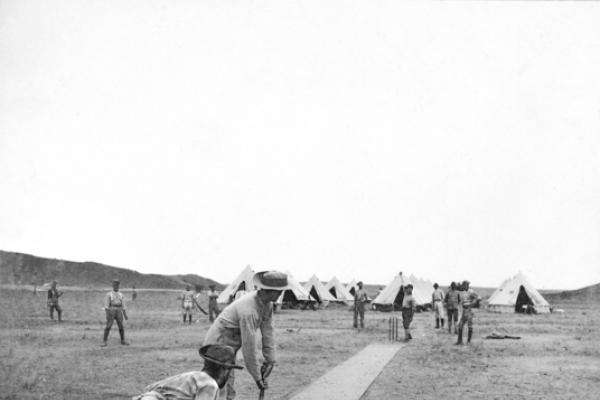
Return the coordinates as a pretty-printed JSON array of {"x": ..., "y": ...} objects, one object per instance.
[{"x": 558, "y": 357}]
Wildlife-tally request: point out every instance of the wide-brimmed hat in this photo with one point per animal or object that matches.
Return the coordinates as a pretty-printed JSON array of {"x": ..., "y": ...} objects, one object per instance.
[
  {"x": 271, "y": 280},
  {"x": 219, "y": 354}
]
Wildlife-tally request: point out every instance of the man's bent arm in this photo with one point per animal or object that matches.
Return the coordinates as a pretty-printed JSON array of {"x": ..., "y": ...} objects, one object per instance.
[
  {"x": 248, "y": 334},
  {"x": 268, "y": 341}
]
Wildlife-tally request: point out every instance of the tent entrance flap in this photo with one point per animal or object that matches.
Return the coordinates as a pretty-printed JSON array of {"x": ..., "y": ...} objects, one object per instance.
[
  {"x": 314, "y": 294},
  {"x": 332, "y": 291},
  {"x": 397, "y": 305},
  {"x": 289, "y": 297},
  {"x": 523, "y": 299}
]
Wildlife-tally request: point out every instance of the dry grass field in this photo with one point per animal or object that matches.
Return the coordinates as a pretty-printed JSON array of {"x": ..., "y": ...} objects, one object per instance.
[{"x": 558, "y": 357}]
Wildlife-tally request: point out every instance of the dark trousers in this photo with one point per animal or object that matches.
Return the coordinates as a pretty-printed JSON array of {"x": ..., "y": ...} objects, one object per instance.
[
  {"x": 56, "y": 307},
  {"x": 452, "y": 318},
  {"x": 466, "y": 318},
  {"x": 359, "y": 314},
  {"x": 407, "y": 317},
  {"x": 114, "y": 314},
  {"x": 213, "y": 311}
]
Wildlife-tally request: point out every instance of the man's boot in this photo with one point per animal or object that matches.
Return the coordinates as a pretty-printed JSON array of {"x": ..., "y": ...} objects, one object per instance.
[
  {"x": 437, "y": 323},
  {"x": 122, "y": 334},
  {"x": 407, "y": 336},
  {"x": 442, "y": 322},
  {"x": 459, "y": 341},
  {"x": 469, "y": 335},
  {"x": 105, "y": 338},
  {"x": 189, "y": 323}
]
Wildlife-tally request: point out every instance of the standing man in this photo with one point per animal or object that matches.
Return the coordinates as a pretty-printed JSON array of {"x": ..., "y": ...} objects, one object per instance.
[
  {"x": 360, "y": 299},
  {"x": 133, "y": 293},
  {"x": 213, "y": 308},
  {"x": 451, "y": 301},
  {"x": 467, "y": 299},
  {"x": 196, "y": 385},
  {"x": 114, "y": 305},
  {"x": 187, "y": 303},
  {"x": 408, "y": 310},
  {"x": 437, "y": 300},
  {"x": 53, "y": 295},
  {"x": 238, "y": 325}
]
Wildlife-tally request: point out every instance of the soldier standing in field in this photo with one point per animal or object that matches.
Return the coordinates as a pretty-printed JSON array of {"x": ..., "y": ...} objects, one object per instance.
[
  {"x": 408, "y": 310},
  {"x": 467, "y": 299},
  {"x": 437, "y": 301},
  {"x": 451, "y": 301},
  {"x": 187, "y": 303},
  {"x": 133, "y": 293},
  {"x": 238, "y": 325},
  {"x": 213, "y": 308},
  {"x": 53, "y": 295},
  {"x": 360, "y": 299},
  {"x": 114, "y": 306}
]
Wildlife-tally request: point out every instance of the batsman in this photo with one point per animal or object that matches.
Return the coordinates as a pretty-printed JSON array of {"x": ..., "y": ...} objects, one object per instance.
[{"x": 238, "y": 325}]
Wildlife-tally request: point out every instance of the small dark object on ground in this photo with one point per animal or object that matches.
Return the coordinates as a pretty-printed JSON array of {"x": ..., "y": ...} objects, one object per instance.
[{"x": 497, "y": 336}]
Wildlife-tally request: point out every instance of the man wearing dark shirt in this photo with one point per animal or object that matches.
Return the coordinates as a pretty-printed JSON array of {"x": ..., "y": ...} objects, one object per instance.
[{"x": 53, "y": 295}]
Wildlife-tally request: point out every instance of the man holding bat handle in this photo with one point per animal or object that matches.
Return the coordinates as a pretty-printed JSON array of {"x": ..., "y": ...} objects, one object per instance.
[{"x": 238, "y": 325}]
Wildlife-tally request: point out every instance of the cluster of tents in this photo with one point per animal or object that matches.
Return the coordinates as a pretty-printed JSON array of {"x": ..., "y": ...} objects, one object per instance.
[
  {"x": 313, "y": 291},
  {"x": 391, "y": 297},
  {"x": 515, "y": 294}
]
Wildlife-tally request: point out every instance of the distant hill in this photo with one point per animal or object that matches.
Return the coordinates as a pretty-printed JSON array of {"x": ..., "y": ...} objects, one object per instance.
[
  {"x": 25, "y": 269},
  {"x": 586, "y": 294}
]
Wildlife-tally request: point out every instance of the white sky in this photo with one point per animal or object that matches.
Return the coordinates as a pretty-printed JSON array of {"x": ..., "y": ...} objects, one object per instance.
[{"x": 357, "y": 139}]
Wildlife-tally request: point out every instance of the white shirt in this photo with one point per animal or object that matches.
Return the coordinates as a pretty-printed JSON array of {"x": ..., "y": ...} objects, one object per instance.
[{"x": 114, "y": 299}]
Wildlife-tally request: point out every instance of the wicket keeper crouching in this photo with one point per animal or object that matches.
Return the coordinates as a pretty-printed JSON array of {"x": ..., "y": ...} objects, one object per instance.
[
  {"x": 196, "y": 385},
  {"x": 238, "y": 324}
]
